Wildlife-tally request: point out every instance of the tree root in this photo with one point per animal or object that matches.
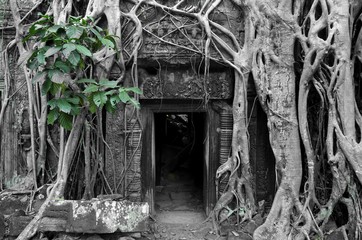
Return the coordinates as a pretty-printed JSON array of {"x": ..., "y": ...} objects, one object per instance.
[{"x": 270, "y": 58}]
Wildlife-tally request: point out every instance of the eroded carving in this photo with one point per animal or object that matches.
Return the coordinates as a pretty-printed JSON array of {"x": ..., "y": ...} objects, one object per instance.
[{"x": 186, "y": 84}]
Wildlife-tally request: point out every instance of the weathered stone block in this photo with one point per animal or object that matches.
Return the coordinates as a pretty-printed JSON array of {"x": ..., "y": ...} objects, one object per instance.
[
  {"x": 62, "y": 236},
  {"x": 2, "y": 226},
  {"x": 95, "y": 216},
  {"x": 337, "y": 234},
  {"x": 17, "y": 224},
  {"x": 9, "y": 205},
  {"x": 185, "y": 84}
]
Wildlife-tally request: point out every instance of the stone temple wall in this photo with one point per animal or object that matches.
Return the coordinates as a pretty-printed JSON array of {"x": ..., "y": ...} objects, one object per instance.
[
  {"x": 15, "y": 132},
  {"x": 125, "y": 145},
  {"x": 166, "y": 72},
  {"x": 171, "y": 69}
]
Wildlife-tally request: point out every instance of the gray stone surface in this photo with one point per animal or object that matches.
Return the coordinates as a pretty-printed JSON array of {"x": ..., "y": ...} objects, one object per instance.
[
  {"x": 94, "y": 237},
  {"x": 180, "y": 217},
  {"x": 232, "y": 235},
  {"x": 17, "y": 224},
  {"x": 185, "y": 84},
  {"x": 2, "y": 226},
  {"x": 9, "y": 205},
  {"x": 62, "y": 236},
  {"x": 126, "y": 238},
  {"x": 95, "y": 216},
  {"x": 336, "y": 235}
]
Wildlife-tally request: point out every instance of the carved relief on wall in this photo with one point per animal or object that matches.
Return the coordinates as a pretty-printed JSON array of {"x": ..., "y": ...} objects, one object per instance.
[
  {"x": 177, "y": 38},
  {"x": 185, "y": 84}
]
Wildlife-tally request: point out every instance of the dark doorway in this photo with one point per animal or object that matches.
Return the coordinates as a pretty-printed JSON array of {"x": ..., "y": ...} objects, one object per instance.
[{"x": 179, "y": 157}]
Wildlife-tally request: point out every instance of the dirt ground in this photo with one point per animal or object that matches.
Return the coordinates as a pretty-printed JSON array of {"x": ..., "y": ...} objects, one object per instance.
[{"x": 180, "y": 215}]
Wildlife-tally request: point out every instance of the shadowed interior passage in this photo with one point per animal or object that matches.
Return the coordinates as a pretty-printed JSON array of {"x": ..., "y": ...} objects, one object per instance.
[{"x": 179, "y": 140}]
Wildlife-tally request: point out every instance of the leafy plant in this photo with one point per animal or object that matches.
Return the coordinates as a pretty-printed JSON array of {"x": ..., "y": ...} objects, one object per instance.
[{"x": 63, "y": 64}]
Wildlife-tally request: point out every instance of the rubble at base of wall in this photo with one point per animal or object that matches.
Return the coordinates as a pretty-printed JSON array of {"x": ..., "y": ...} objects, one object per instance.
[
  {"x": 95, "y": 216},
  {"x": 86, "y": 217}
]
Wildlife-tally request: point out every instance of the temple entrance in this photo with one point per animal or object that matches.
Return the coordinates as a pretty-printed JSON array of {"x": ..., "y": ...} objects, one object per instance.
[{"x": 180, "y": 155}]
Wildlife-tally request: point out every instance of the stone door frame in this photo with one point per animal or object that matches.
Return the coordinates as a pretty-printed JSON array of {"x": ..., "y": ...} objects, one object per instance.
[{"x": 148, "y": 158}]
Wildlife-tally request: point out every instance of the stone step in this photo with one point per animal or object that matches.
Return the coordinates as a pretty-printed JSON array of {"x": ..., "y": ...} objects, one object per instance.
[{"x": 180, "y": 217}]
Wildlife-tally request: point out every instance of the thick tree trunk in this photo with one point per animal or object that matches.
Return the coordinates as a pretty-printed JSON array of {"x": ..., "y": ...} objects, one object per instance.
[
  {"x": 326, "y": 33},
  {"x": 345, "y": 85},
  {"x": 283, "y": 134},
  {"x": 240, "y": 146}
]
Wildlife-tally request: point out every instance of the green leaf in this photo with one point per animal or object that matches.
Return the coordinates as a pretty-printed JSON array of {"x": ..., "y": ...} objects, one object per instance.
[
  {"x": 33, "y": 64},
  {"x": 83, "y": 50},
  {"x": 32, "y": 30},
  {"x": 91, "y": 88},
  {"x": 82, "y": 97},
  {"x": 81, "y": 64},
  {"x": 59, "y": 77},
  {"x": 123, "y": 96},
  {"x": 51, "y": 72},
  {"x": 74, "y": 100},
  {"x": 62, "y": 66},
  {"x": 52, "y": 103},
  {"x": 107, "y": 42},
  {"x": 65, "y": 120},
  {"x": 92, "y": 106},
  {"x": 64, "y": 105},
  {"x": 134, "y": 89},
  {"x": 90, "y": 18},
  {"x": 90, "y": 40},
  {"x": 47, "y": 85},
  {"x": 55, "y": 88},
  {"x": 44, "y": 17},
  {"x": 51, "y": 51},
  {"x": 110, "y": 108},
  {"x": 40, "y": 25},
  {"x": 99, "y": 29},
  {"x": 74, "y": 58},
  {"x": 52, "y": 116},
  {"x": 111, "y": 92},
  {"x": 95, "y": 32},
  {"x": 54, "y": 28},
  {"x": 100, "y": 98},
  {"x": 73, "y": 19},
  {"x": 75, "y": 110},
  {"x": 67, "y": 49},
  {"x": 74, "y": 32},
  {"x": 135, "y": 103},
  {"x": 41, "y": 57},
  {"x": 39, "y": 77},
  {"x": 107, "y": 83},
  {"x": 67, "y": 93},
  {"x": 114, "y": 100},
  {"x": 86, "y": 80}
]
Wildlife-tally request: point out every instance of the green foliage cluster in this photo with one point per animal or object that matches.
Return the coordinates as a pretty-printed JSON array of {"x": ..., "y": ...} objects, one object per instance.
[{"x": 63, "y": 64}]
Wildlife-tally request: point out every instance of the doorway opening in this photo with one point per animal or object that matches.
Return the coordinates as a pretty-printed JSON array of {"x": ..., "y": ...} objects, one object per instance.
[{"x": 180, "y": 142}]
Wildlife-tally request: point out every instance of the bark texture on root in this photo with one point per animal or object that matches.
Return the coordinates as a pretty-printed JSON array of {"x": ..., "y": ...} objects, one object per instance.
[
  {"x": 276, "y": 81},
  {"x": 269, "y": 52}
]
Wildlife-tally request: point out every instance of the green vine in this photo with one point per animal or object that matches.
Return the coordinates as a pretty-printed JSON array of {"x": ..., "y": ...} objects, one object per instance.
[{"x": 62, "y": 63}]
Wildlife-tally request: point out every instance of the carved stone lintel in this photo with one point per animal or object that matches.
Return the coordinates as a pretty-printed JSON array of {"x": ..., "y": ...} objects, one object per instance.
[{"x": 185, "y": 84}]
